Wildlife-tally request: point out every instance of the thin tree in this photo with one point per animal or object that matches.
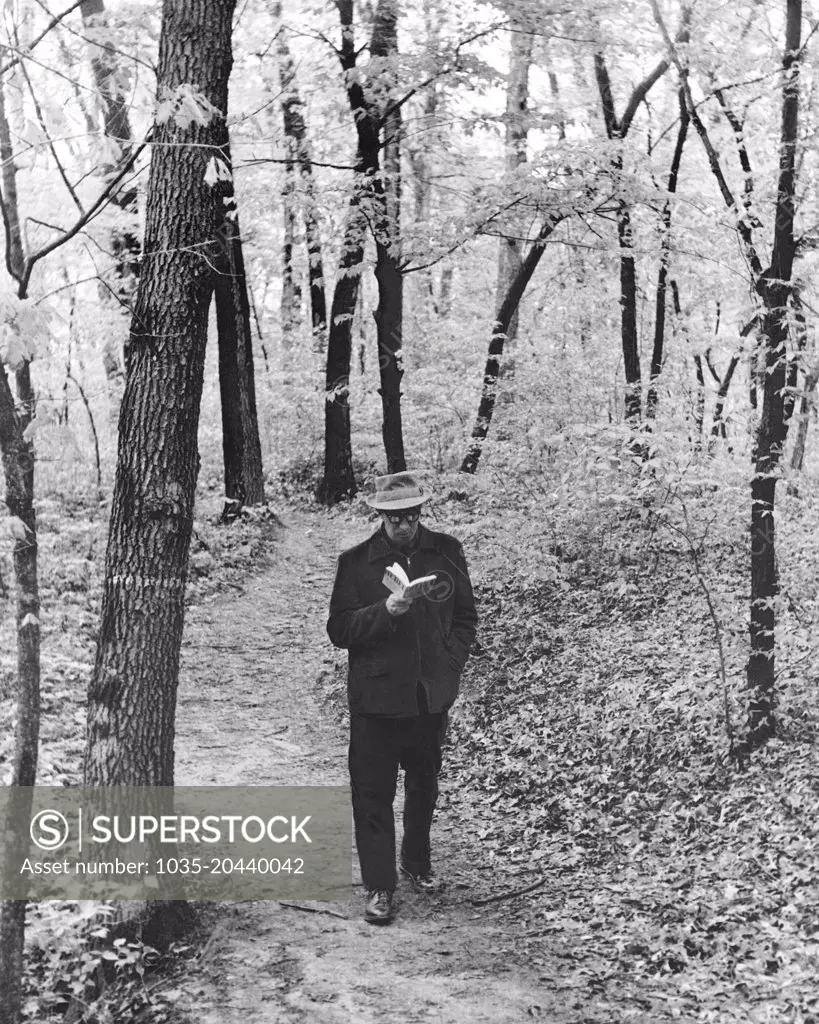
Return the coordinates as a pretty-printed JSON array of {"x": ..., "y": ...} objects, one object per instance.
[
  {"x": 368, "y": 206},
  {"x": 617, "y": 129},
  {"x": 338, "y": 479},
  {"x": 515, "y": 156},
  {"x": 116, "y": 127},
  {"x": 503, "y": 318},
  {"x": 773, "y": 285},
  {"x": 302, "y": 185},
  {"x": 386, "y": 196},
  {"x": 658, "y": 348},
  {"x": 241, "y": 445}
]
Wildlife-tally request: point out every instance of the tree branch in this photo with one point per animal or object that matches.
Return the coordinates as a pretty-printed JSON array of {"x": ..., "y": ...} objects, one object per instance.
[
  {"x": 52, "y": 24},
  {"x": 101, "y": 201},
  {"x": 743, "y": 228}
]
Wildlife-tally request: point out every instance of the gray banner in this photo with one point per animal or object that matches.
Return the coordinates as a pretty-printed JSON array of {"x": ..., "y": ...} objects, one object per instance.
[{"x": 183, "y": 843}]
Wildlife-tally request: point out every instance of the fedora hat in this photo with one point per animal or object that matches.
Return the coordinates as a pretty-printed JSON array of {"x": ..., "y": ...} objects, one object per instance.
[{"x": 396, "y": 491}]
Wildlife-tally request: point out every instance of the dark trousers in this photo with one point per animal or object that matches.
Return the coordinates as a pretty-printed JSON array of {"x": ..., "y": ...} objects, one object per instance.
[{"x": 378, "y": 746}]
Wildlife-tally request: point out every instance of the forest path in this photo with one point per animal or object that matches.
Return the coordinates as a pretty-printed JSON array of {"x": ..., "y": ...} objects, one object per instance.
[{"x": 249, "y": 715}]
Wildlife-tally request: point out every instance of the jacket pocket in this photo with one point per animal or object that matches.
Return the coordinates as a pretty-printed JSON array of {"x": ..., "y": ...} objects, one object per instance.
[
  {"x": 373, "y": 668},
  {"x": 453, "y": 659}
]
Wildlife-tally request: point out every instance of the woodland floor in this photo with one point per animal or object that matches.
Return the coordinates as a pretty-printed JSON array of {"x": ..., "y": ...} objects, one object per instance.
[
  {"x": 250, "y": 714},
  {"x": 586, "y": 755}
]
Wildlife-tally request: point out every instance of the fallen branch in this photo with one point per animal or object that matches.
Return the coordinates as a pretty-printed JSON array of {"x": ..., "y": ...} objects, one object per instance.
[
  {"x": 508, "y": 895},
  {"x": 312, "y": 910}
]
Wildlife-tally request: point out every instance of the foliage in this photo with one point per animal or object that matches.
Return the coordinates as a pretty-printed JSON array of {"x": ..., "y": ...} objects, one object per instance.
[
  {"x": 593, "y": 745},
  {"x": 78, "y": 966}
]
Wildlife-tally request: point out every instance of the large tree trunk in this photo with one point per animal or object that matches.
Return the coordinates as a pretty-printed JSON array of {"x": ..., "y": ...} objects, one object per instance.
[
  {"x": 389, "y": 316},
  {"x": 124, "y": 238},
  {"x": 338, "y": 480},
  {"x": 18, "y": 469},
  {"x": 132, "y": 694},
  {"x": 298, "y": 146},
  {"x": 244, "y": 477},
  {"x": 775, "y": 288},
  {"x": 503, "y": 318}
]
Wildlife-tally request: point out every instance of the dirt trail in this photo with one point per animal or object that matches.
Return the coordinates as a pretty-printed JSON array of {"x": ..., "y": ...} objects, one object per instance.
[{"x": 248, "y": 715}]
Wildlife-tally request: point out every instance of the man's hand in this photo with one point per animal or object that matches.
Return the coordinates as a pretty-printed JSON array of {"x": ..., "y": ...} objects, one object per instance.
[{"x": 398, "y": 605}]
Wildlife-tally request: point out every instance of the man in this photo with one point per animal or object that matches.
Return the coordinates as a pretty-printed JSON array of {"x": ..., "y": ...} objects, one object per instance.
[{"x": 405, "y": 663}]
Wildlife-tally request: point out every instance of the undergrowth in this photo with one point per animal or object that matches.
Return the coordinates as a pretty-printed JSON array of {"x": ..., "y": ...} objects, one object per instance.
[
  {"x": 594, "y": 745},
  {"x": 75, "y": 970}
]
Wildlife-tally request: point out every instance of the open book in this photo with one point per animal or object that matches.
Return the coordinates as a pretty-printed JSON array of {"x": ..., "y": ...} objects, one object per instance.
[{"x": 396, "y": 580}]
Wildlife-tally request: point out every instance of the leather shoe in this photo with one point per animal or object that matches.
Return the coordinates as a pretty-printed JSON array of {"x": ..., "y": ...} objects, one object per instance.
[
  {"x": 424, "y": 881},
  {"x": 379, "y": 909}
]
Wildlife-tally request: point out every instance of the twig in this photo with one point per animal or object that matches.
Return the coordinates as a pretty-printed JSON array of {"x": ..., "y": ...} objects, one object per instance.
[
  {"x": 508, "y": 895},
  {"x": 694, "y": 554},
  {"x": 101, "y": 202},
  {"x": 70, "y": 376},
  {"x": 54, "y": 21},
  {"x": 312, "y": 910}
]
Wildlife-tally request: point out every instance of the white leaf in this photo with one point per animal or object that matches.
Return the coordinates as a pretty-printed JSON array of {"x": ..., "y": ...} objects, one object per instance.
[
  {"x": 185, "y": 106},
  {"x": 36, "y": 424},
  {"x": 211, "y": 173},
  {"x": 17, "y": 528}
]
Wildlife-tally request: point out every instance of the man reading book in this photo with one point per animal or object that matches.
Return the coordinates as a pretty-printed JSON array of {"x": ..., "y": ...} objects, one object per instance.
[{"x": 402, "y": 606}]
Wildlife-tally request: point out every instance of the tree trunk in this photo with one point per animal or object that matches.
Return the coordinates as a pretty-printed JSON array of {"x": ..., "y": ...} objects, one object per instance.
[
  {"x": 517, "y": 133},
  {"x": 805, "y": 405},
  {"x": 445, "y": 291},
  {"x": 338, "y": 481},
  {"x": 124, "y": 238},
  {"x": 295, "y": 130},
  {"x": 699, "y": 404},
  {"x": 504, "y": 316},
  {"x": 389, "y": 316},
  {"x": 17, "y": 456},
  {"x": 241, "y": 446},
  {"x": 775, "y": 288},
  {"x": 662, "y": 277},
  {"x": 628, "y": 318},
  {"x": 718, "y": 422},
  {"x": 290, "y": 306},
  {"x": 616, "y": 129},
  {"x": 18, "y": 468},
  {"x": 132, "y": 694}
]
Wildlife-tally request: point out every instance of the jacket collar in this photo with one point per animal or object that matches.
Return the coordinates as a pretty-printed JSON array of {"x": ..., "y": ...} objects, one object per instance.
[{"x": 379, "y": 545}]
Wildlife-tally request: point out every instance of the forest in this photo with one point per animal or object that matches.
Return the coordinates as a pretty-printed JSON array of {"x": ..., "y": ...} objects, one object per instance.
[{"x": 556, "y": 259}]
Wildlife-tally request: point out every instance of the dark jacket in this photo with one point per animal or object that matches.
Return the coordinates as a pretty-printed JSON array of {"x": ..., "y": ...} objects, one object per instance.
[{"x": 429, "y": 644}]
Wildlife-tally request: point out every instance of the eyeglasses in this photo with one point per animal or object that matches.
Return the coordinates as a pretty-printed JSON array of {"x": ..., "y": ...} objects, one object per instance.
[{"x": 411, "y": 517}]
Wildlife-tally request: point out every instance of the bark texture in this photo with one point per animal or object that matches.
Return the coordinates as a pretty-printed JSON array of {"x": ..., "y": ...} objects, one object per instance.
[
  {"x": 17, "y": 457},
  {"x": 132, "y": 694}
]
